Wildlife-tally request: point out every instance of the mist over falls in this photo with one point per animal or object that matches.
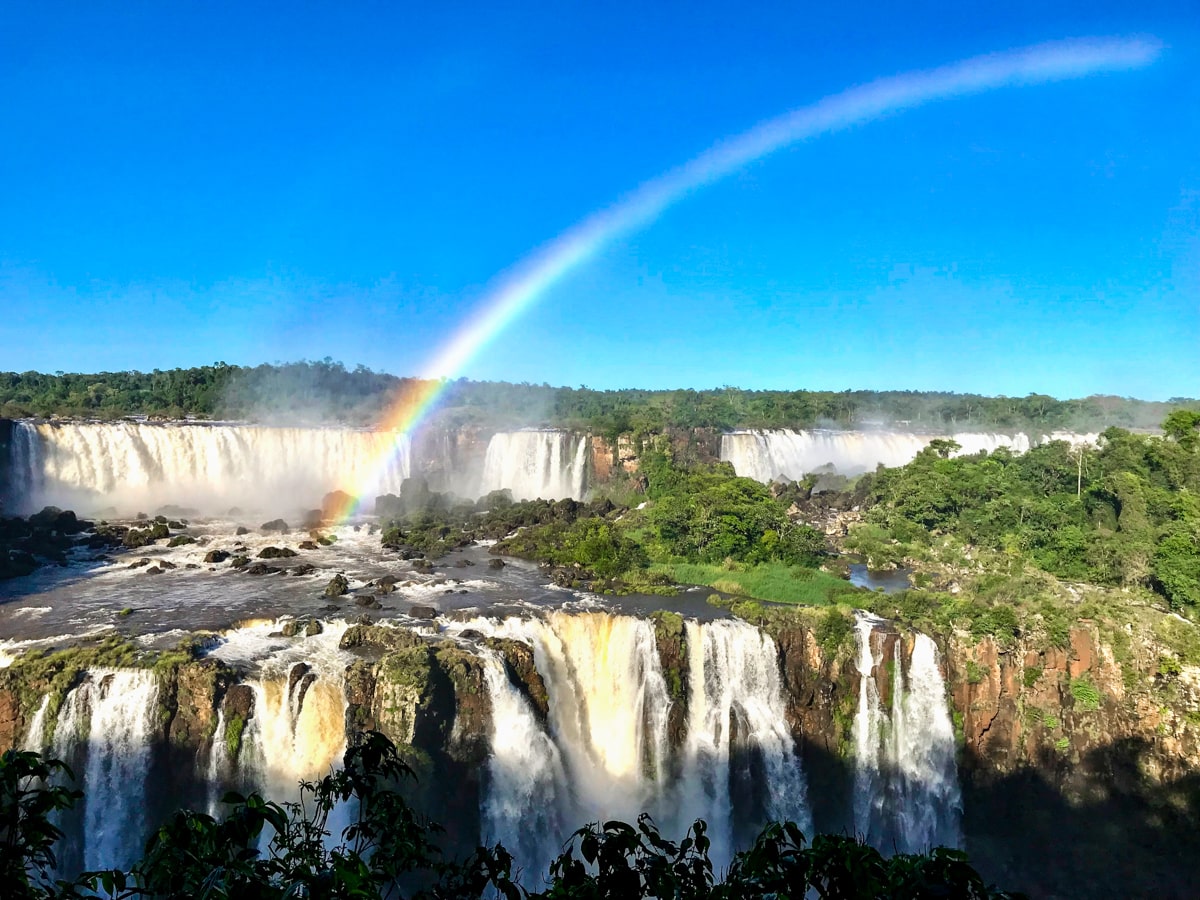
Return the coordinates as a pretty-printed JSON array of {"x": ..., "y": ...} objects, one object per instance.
[{"x": 128, "y": 467}]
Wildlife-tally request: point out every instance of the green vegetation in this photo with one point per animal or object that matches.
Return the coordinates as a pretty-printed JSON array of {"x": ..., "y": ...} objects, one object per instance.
[
  {"x": 195, "y": 855},
  {"x": 1125, "y": 513},
  {"x": 327, "y": 391},
  {"x": 1087, "y": 695}
]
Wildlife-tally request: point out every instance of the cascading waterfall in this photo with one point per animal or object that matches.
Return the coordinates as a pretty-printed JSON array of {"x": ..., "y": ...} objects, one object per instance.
[
  {"x": 108, "y": 721},
  {"x": 526, "y": 779},
  {"x": 906, "y": 793},
  {"x": 209, "y": 467},
  {"x": 551, "y": 465},
  {"x": 768, "y": 455},
  {"x": 735, "y": 705},
  {"x": 606, "y": 753}
]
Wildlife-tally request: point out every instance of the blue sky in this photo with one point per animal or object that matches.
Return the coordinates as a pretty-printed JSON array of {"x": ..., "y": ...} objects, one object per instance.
[{"x": 185, "y": 183}]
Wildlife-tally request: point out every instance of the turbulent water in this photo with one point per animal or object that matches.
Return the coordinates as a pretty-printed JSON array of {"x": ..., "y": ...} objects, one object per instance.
[
  {"x": 768, "y": 455},
  {"x": 135, "y": 466},
  {"x": 550, "y": 465},
  {"x": 906, "y": 793}
]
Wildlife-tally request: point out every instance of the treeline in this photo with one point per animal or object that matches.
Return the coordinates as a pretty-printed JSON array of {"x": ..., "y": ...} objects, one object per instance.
[
  {"x": 327, "y": 392},
  {"x": 1124, "y": 513},
  {"x": 267, "y": 851}
]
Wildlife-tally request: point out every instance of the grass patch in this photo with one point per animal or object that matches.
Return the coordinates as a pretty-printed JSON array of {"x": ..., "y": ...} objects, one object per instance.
[
  {"x": 1086, "y": 694},
  {"x": 773, "y": 581}
]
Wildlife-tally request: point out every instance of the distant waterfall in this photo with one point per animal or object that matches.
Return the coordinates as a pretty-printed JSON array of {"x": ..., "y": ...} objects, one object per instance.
[
  {"x": 105, "y": 726},
  {"x": 736, "y": 705},
  {"x": 768, "y": 455},
  {"x": 551, "y": 465},
  {"x": 906, "y": 793},
  {"x": 137, "y": 466}
]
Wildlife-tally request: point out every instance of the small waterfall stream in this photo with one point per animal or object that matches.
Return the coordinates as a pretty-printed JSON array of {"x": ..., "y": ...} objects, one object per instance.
[{"x": 906, "y": 793}]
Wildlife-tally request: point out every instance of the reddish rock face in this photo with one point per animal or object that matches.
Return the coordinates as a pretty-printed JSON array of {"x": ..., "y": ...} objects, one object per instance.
[{"x": 11, "y": 723}]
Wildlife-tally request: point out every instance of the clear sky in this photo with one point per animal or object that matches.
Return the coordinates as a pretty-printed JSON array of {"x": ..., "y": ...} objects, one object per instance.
[{"x": 189, "y": 182}]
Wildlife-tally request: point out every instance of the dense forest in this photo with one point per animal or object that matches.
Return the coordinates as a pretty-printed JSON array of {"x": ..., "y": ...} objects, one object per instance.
[{"x": 328, "y": 392}]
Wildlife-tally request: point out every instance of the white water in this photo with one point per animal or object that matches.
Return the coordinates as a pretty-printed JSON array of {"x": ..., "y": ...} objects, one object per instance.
[
  {"x": 526, "y": 780},
  {"x": 735, "y": 687},
  {"x": 606, "y": 752},
  {"x": 551, "y": 465},
  {"x": 109, "y": 718},
  {"x": 35, "y": 738},
  {"x": 906, "y": 793},
  {"x": 768, "y": 455},
  {"x": 138, "y": 466}
]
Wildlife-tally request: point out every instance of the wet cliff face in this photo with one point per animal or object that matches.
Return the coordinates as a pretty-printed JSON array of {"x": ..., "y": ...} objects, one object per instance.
[{"x": 1077, "y": 778}]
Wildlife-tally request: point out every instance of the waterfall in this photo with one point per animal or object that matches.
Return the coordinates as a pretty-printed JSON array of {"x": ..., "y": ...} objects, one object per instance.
[
  {"x": 526, "y": 780},
  {"x": 209, "y": 467},
  {"x": 35, "y": 738},
  {"x": 551, "y": 465},
  {"x": 768, "y": 455},
  {"x": 108, "y": 721},
  {"x": 735, "y": 705},
  {"x": 297, "y": 731},
  {"x": 605, "y": 752},
  {"x": 906, "y": 793}
]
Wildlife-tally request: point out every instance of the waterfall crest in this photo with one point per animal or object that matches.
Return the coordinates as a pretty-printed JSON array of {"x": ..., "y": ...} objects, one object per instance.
[
  {"x": 134, "y": 465},
  {"x": 551, "y": 465},
  {"x": 906, "y": 792}
]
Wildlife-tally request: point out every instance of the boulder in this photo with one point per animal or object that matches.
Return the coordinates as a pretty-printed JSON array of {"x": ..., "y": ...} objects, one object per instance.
[
  {"x": 462, "y": 563},
  {"x": 496, "y": 563},
  {"x": 276, "y": 553},
  {"x": 308, "y": 545},
  {"x": 261, "y": 569},
  {"x": 418, "y": 611},
  {"x": 180, "y": 540},
  {"x": 303, "y": 569},
  {"x": 338, "y": 586},
  {"x": 138, "y": 563},
  {"x": 240, "y": 530},
  {"x": 240, "y": 561},
  {"x": 313, "y": 627},
  {"x": 216, "y": 556},
  {"x": 277, "y": 526},
  {"x": 335, "y": 504}
]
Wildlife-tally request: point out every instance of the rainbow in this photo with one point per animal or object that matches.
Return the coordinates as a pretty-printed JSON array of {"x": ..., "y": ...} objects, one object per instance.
[{"x": 520, "y": 287}]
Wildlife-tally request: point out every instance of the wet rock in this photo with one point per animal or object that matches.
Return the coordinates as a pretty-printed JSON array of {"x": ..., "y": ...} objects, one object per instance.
[
  {"x": 261, "y": 569},
  {"x": 299, "y": 670},
  {"x": 311, "y": 520},
  {"x": 369, "y": 601},
  {"x": 239, "y": 702},
  {"x": 387, "y": 581},
  {"x": 418, "y": 611},
  {"x": 164, "y": 564},
  {"x": 240, "y": 561},
  {"x": 314, "y": 627},
  {"x": 422, "y": 565},
  {"x": 462, "y": 563},
  {"x": 276, "y": 553},
  {"x": 241, "y": 529},
  {"x": 137, "y": 564},
  {"x": 180, "y": 540},
  {"x": 471, "y": 634},
  {"x": 192, "y": 566},
  {"x": 216, "y": 556},
  {"x": 379, "y": 636},
  {"x": 55, "y": 519},
  {"x": 338, "y": 585},
  {"x": 277, "y": 526},
  {"x": 303, "y": 569},
  {"x": 154, "y": 570},
  {"x": 496, "y": 563},
  {"x": 308, "y": 545},
  {"x": 290, "y": 629}
]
